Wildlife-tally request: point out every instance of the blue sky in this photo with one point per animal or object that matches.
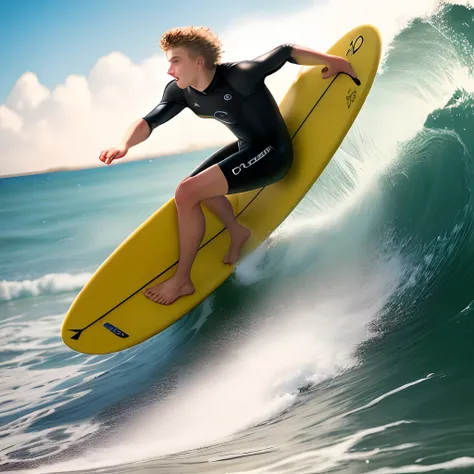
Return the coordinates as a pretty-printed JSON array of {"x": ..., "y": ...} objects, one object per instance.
[{"x": 55, "y": 38}]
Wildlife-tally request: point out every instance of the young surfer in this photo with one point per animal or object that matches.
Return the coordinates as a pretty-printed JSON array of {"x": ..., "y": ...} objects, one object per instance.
[{"x": 234, "y": 93}]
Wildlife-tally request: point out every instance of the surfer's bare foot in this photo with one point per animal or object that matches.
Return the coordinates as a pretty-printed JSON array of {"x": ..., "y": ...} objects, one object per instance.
[
  {"x": 169, "y": 291},
  {"x": 238, "y": 238}
]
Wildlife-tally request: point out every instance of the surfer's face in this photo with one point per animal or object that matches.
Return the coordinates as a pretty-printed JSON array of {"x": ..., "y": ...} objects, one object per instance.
[{"x": 184, "y": 67}]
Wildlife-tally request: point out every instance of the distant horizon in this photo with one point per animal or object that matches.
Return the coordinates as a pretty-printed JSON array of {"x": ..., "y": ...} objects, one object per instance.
[{"x": 102, "y": 165}]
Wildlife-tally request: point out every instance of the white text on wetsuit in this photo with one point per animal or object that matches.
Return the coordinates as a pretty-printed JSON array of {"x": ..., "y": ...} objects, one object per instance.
[{"x": 251, "y": 162}]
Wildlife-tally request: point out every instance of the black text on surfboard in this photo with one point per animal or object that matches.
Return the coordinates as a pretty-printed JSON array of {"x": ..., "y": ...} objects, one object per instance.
[
  {"x": 355, "y": 45},
  {"x": 351, "y": 97},
  {"x": 115, "y": 330}
]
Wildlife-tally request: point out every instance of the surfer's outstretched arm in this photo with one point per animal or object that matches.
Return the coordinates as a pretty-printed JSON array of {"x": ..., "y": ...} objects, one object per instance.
[
  {"x": 171, "y": 104},
  {"x": 309, "y": 57},
  {"x": 333, "y": 64},
  {"x": 268, "y": 63},
  {"x": 136, "y": 133}
]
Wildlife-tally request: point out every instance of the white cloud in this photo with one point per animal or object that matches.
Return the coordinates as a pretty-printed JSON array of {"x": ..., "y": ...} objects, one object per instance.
[
  {"x": 71, "y": 125},
  {"x": 9, "y": 120},
  {"x": 27, "y": 93}
]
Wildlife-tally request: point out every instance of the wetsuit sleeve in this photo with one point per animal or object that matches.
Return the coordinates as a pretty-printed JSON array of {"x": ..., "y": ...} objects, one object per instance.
[
  {"x": 246, "y": 75},
  {"x": 270, "y": 62},
  {"x": 172, "y": 103}
]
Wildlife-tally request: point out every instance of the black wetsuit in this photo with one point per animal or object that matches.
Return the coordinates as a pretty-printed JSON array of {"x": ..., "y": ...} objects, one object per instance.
[{"x": 238, "y": 97}]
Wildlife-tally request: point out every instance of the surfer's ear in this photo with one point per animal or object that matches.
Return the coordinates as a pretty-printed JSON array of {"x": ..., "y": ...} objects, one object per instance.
[{"x": 200, "y": 61}]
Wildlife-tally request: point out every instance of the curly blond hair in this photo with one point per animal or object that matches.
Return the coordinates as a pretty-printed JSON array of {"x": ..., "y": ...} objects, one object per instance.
[{"x": 200, "y": 41}]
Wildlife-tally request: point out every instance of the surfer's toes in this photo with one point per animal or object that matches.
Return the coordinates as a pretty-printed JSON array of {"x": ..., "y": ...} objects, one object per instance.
[
  {"x": 169, "y": 291},
  {"x": 162, "y": 300},
  {"x": 152, "y": 294}
]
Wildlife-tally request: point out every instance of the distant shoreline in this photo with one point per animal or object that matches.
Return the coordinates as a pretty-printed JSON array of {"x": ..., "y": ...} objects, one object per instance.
[{"x": 58, "y": 169}]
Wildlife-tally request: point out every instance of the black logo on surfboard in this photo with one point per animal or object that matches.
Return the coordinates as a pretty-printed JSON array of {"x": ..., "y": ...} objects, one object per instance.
[
  {"x": 355, "y": 45},
  {"x": 115, "y": 330},
  {"x": 351, "y": 97}
]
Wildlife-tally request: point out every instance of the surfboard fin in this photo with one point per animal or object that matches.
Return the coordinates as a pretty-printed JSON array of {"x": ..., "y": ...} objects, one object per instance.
[{"x": 77, "y": 335}]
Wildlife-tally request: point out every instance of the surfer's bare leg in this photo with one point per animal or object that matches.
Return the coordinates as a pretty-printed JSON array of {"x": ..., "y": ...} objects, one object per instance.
[
  {"x": 191, "y": 225},
  {"x": 239, "y": 234}
]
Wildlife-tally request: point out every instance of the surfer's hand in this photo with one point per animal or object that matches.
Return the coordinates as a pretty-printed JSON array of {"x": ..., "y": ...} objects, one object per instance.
[
  {"x": 114, "y": 153},
  {"x": 336, "y": 66}
]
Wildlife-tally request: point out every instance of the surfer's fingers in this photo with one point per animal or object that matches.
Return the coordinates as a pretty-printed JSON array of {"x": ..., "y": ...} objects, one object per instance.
[
  {"x": 350, "y": 70},
  {"x": 113, "y": 155},
  {"x": 104, "y": 156}
]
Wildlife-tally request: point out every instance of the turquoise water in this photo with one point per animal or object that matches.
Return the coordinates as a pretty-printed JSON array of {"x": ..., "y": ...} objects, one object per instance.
[{"x": 344, "y": 344}]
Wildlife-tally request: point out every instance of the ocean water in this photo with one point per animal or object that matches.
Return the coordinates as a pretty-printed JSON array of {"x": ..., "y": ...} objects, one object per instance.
[{"x": 344, "y": 344}]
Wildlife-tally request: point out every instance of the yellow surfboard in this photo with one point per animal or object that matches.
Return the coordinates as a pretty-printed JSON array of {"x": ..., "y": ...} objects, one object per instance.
[{"x": 111, "y": 312}]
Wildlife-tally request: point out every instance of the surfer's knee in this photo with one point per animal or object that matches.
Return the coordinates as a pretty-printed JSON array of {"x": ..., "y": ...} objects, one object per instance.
[{"x": 186, "y": 192}]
